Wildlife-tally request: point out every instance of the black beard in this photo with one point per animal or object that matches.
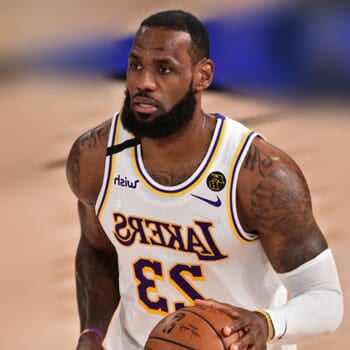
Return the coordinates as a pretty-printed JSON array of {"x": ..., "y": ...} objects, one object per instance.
[{"x": 164, "y": 125}]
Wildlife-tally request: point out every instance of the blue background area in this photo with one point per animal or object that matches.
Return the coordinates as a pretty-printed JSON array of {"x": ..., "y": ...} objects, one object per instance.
[{"x": 285, "y": 50}]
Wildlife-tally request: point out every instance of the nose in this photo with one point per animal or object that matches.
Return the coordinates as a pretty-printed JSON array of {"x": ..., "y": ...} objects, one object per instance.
[{"x": 145, "y": 80}]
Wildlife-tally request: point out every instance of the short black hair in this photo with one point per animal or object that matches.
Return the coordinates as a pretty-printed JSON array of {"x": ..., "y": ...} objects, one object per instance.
[{"x": 185, "y": 22}]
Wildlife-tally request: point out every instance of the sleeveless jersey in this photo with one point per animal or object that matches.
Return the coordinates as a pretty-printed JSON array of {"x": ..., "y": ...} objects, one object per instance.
[{"x": 179, "y": 243}]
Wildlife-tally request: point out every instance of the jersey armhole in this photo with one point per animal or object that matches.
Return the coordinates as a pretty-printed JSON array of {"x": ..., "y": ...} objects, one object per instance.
[
  {"x": 238, "y": 229},
  {"x": 103, "y": 193}
]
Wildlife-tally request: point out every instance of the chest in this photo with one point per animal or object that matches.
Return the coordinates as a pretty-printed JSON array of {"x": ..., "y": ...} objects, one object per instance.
[{"x": 193, "y": 211}]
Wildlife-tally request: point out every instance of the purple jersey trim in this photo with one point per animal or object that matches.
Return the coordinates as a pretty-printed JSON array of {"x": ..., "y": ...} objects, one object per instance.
[
  {"x": 114, "y": 125},
  {"x": 234, "y": 174},
  {"x": 221, "y": 119}
]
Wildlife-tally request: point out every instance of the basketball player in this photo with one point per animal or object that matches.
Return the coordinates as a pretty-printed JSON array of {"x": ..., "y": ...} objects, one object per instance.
[{"x": 178, "y": 206}]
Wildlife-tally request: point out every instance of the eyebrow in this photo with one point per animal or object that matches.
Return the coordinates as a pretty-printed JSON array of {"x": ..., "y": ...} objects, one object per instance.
[
  {"x": 161, "y": 60},
  {"x": 133, "y": 55}
]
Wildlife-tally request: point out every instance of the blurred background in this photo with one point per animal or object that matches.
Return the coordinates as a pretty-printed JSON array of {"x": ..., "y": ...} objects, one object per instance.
[{"x": 281, "y": 67}]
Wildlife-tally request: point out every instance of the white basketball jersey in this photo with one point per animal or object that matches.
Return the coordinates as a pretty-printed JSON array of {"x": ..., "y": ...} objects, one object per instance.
[{"x": 179, "y": 243}]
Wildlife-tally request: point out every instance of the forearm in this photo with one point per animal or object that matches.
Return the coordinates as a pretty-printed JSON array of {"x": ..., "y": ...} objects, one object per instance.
[
  {"x": 316, "y": 304},
  {"x": 96, "y": 284}
]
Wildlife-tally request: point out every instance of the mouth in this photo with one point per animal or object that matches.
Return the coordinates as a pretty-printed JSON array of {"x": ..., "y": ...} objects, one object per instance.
[{"x": 144, "y": 105}]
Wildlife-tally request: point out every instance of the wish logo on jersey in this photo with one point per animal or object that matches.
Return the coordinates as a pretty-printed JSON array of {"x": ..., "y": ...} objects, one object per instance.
[
  {"x": 196, "y": 239},
  {"x": 124, "y": 182}
]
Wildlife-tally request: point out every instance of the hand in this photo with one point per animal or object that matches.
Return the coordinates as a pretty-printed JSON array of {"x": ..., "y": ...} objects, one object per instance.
[
  {"x": 89, "y": 341},
  {"x": 253, "y": 325}
]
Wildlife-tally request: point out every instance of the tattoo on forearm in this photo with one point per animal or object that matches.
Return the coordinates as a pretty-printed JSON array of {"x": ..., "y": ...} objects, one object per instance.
[
  {"x": 257, "y": 159},
  {"x": 281, "y": 204}
]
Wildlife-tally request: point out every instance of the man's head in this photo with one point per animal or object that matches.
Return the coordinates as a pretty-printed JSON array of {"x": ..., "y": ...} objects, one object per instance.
[
  {"x": 168, "y": 69},
  {"x": 183, "y": 22}
]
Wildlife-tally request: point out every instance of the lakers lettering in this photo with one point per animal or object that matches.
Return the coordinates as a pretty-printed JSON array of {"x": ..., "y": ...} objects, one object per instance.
[{"x": 196, "y": 239}]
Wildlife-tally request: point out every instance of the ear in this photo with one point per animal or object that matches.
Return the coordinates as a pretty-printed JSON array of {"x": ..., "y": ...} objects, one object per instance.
[{"x": 204, "y": 74}]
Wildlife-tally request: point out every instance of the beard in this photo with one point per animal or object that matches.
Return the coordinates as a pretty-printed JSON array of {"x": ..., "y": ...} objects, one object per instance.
[{"x": 165, "y": 124}]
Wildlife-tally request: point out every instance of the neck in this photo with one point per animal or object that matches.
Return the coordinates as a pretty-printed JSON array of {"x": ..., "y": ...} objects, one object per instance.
[
  {"x": 176, "y": 157},
  {"x": 199, "y": 127}
]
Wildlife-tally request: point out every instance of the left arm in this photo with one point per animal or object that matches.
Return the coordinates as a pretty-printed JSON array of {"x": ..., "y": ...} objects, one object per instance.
[{"x": 274, "y": 202}]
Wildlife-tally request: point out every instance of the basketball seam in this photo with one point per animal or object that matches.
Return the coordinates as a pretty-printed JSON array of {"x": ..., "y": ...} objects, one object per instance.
[
  {"x": 172, "y": 341},
  {"x": 203, "y": 318}
]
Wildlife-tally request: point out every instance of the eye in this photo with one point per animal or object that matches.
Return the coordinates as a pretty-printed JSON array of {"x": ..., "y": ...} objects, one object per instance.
[
  {"x": 164, "y": 70},
  {"x": 135, "y": 66}
]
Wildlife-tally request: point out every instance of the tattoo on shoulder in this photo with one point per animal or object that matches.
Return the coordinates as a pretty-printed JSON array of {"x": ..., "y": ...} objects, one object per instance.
[
  {"x": 87, "y": 141},
  {"x": 258, "y": 160},
  {"x": 74, "y": 169},
  {"x": 92, "y": 138},
  {"x": 281, "y": 203}
]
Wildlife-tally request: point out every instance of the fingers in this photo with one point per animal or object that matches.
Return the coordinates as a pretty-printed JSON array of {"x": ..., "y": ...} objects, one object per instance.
[
  {"x": 238, "y": 325},
  {"x": 245, "y": 342},
  {"x": 205, "y": 302},
  {"x": 249, "y": 339},
  {"x": 245, "y": 322},
  {"x": 238, "y": 322},
  {"x": 226, "y": 308}
]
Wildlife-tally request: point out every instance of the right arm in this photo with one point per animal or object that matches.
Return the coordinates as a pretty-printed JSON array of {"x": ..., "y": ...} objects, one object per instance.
[{"x": 96, "y": 259}]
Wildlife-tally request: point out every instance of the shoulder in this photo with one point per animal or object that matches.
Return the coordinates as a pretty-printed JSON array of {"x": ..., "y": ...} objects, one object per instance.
[
  {"x": 270, "y": 184},
  {"x": 263, "y": 157},
  {"x": 85, "y": 163}
]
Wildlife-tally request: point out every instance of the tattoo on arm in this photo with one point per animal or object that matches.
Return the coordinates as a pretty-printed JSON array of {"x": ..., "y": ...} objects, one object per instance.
[
  {"x": 280, "y": 204},
  {"x": 282, "y": 209},
  {"x": 87, "y": 142},
  {"x": 92, "y": 138},
  {"x": 258, "y": 160},
  {"x": 74, "y": 169}
]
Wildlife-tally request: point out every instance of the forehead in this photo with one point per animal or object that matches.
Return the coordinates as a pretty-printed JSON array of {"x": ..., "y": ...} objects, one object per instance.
[{"x": 159, "y": 42}]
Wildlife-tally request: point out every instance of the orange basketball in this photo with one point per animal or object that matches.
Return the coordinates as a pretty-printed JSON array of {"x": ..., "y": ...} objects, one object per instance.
[{"x": 191, "y": 328}]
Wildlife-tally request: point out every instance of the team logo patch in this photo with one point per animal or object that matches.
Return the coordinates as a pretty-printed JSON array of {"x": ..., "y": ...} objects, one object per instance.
[{"x": 216, "y": 181}]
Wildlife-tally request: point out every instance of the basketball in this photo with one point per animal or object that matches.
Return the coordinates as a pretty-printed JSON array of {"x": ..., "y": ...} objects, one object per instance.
[{"x": 192, "y": 328}]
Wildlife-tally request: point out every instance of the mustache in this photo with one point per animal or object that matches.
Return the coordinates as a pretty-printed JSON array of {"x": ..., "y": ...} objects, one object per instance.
[{"x": 140, "y": 94}]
